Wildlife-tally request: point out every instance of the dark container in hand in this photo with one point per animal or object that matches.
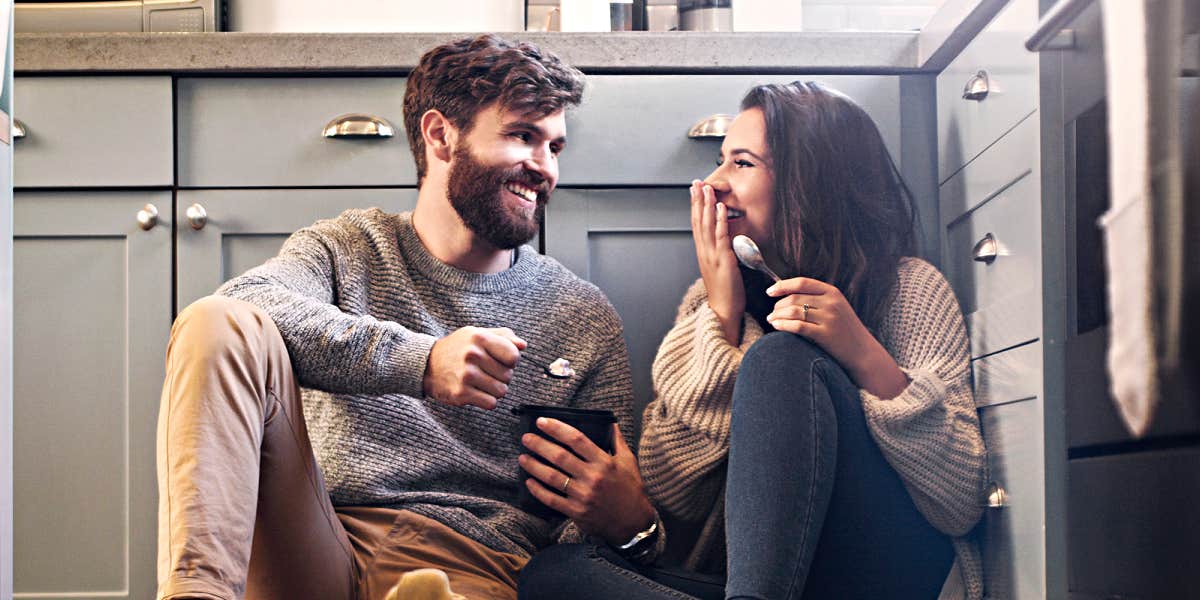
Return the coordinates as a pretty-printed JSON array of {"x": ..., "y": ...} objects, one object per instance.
[{"x": 595, "y": 424}]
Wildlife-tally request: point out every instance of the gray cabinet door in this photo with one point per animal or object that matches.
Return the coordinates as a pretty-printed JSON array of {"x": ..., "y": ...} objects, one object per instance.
[
  {"x": 246, "y": 227},
  {"x": 92, "y": 308},
  {"x": 636, "y": 245}
]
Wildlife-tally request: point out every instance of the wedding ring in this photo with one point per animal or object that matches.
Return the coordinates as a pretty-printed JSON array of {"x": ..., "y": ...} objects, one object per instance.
[
  {"x": 804, "y": 316},
  {"x": 566, "y": 484}
]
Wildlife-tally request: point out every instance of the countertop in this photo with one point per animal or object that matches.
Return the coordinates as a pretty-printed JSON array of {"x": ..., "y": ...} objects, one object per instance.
[{"x": 626, "y": 52}]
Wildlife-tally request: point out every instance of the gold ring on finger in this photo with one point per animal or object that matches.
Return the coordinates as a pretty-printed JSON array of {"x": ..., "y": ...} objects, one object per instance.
[
  {"x": 566, "y": 484},
  {"x": 804, "y": 315}
]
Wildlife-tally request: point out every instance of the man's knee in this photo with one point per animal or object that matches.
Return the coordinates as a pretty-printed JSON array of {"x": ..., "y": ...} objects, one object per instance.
[{"x": 221, "y": 322}]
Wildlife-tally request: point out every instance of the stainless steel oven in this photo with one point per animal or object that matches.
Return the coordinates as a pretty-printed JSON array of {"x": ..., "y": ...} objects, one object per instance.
[
  {"x": 1092, "y": 417},
  {"x": 1131, "y": 531},
  {"x": 119, "y": 15}
]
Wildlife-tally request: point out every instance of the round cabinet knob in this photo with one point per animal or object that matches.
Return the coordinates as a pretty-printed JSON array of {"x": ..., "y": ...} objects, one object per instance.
[
  {"x": 997, "y": 497},
  {"x": 147, "y": 218},
  {"x": 197, "y": 217}
]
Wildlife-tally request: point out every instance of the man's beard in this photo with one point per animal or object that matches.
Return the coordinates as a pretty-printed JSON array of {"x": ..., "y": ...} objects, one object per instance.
[{"x": 477, "y": 191}]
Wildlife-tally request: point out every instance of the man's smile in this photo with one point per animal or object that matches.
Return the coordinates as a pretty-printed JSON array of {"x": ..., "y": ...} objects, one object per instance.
[{"x": 522, "y": 191}]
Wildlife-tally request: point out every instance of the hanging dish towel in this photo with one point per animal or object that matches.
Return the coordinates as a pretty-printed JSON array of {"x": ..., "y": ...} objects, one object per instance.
[{"x": 1143, "y": 226}]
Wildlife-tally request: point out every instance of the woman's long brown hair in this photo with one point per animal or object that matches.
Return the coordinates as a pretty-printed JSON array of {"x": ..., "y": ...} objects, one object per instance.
[{"x": 842, "y": 212}]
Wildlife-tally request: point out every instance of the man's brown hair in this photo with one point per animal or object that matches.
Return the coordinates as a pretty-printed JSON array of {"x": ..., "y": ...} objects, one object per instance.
[{"x": 461, "y": 77}]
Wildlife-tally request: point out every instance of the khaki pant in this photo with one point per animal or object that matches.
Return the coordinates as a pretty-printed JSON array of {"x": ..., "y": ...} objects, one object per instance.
[{"x": 243, "y": 510}]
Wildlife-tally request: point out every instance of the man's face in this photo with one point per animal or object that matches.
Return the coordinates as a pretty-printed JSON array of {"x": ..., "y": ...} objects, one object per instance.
[{"x": 502, "y": 173}]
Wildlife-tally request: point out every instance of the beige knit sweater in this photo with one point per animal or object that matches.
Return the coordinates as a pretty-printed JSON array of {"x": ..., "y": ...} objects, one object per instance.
[{"x": 929, "y": 434}]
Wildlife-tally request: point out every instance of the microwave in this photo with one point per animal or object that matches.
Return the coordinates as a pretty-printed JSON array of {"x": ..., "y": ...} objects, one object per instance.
[{"x": 119, "y": 15}]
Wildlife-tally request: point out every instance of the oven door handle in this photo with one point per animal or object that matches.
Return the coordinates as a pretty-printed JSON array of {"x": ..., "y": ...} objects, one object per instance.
[{"x": 1051, "y": 32}]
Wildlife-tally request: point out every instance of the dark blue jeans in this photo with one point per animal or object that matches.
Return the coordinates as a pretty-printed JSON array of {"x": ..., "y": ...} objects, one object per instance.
[{"x": 813, "y": 509}]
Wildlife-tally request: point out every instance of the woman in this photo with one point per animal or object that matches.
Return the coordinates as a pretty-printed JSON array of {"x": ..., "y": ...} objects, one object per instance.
[{"x": 819, "y": 432}]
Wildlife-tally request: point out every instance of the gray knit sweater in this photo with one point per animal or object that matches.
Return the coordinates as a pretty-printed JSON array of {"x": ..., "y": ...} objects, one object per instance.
[
  {"x": 930, "y": 433},
  {"x": 360, "y": 302}
]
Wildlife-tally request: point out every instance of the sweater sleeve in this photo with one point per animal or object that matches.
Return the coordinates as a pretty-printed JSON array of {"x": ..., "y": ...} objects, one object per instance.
[
  {"x": 330, "y": 349},
  {"x": 685, "y": 429},
  {"x": 930, "y": 433}
]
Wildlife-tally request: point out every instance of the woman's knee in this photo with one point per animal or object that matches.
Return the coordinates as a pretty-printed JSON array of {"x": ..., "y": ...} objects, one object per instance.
[
  {"x": 784, "y": 346},
  {"x": 785, "y": 367},
  {"x": 552, "y": 571}
]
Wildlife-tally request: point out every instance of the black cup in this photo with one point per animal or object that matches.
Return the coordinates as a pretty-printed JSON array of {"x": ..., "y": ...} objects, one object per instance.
[{"x": 595, "y": 424}]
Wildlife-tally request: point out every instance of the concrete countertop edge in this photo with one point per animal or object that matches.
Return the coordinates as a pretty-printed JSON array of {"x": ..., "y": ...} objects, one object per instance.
[{"x": 681, "y": 52}]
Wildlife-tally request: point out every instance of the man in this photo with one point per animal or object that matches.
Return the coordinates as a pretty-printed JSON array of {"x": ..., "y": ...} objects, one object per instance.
[{"x": 412, "y": 336}]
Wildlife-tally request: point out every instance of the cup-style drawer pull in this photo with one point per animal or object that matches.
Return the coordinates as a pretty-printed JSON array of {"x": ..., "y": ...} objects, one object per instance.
[
  {"x": 711, "y": 127},
  {"x": 986, "y": 250},
  {"x": 358, "y": 125},
  {"x": 977, "y": 87},
  {"x": 18, "y": 130},
  {"x": 197, "y": 217},
  {"x": 997, "y": 497},
  {"x": 147, "y": 218}
]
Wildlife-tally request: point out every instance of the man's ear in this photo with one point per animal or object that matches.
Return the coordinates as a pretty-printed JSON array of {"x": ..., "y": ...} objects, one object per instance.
[{"x": 439, "y": 134}]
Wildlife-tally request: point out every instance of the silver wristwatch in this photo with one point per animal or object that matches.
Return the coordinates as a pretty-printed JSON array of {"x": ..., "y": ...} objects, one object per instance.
[{"x": 641, "y": 543}]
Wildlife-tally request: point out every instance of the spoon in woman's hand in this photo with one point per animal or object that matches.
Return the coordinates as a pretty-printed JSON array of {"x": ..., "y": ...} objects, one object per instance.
[{"x": 748, "y": 253}]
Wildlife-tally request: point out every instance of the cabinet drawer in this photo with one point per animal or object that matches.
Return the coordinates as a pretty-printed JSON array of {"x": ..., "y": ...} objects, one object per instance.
[
  {"x": 1000, "y": 194},
  {"x": 632, "y": 130},
  {"x": 259, "y": 132},
  {"x": 93, "y": 132},
  {"x": 966, "y": 127},
  {"x": 1012, "y": 538},
  {"x": 1132, "y": 525},
  {"x": 1008, "y": 376}
]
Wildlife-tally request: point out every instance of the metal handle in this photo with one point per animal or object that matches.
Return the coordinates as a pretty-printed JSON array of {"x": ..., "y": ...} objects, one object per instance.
[
  {"x": 986, "y": 250},
  {"x": 977, "y": 87},
  {"x": 1048, "y": 35},
  {"x": 711, "y": 127},
  {"x": 18, "y": 130},
  {"x": 197, "y": 216},
  {"x": 997, "y": 497},
  {"x": 147, "y": 218},
  {"x": 358, "y": 125}
]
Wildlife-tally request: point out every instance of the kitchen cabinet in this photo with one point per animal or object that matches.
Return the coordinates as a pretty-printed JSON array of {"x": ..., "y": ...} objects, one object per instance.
[
  {"x": 632, "y": 129},
  {"x": 91, "y": 307},
  {"x": 993, "y": 254},
  {"x": 988, "y": 88},
  {"x": 241, "y": 229},
  {"x": 94, "y": 132},
  {"x": 270, "y": 132}
]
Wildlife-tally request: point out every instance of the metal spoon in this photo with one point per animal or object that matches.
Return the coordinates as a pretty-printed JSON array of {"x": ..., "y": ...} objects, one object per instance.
[{"x": 749, "y": 254}]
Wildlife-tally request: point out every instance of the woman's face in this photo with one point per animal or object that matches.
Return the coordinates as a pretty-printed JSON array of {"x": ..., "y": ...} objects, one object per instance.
[{"x": 744, "y": 179}]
